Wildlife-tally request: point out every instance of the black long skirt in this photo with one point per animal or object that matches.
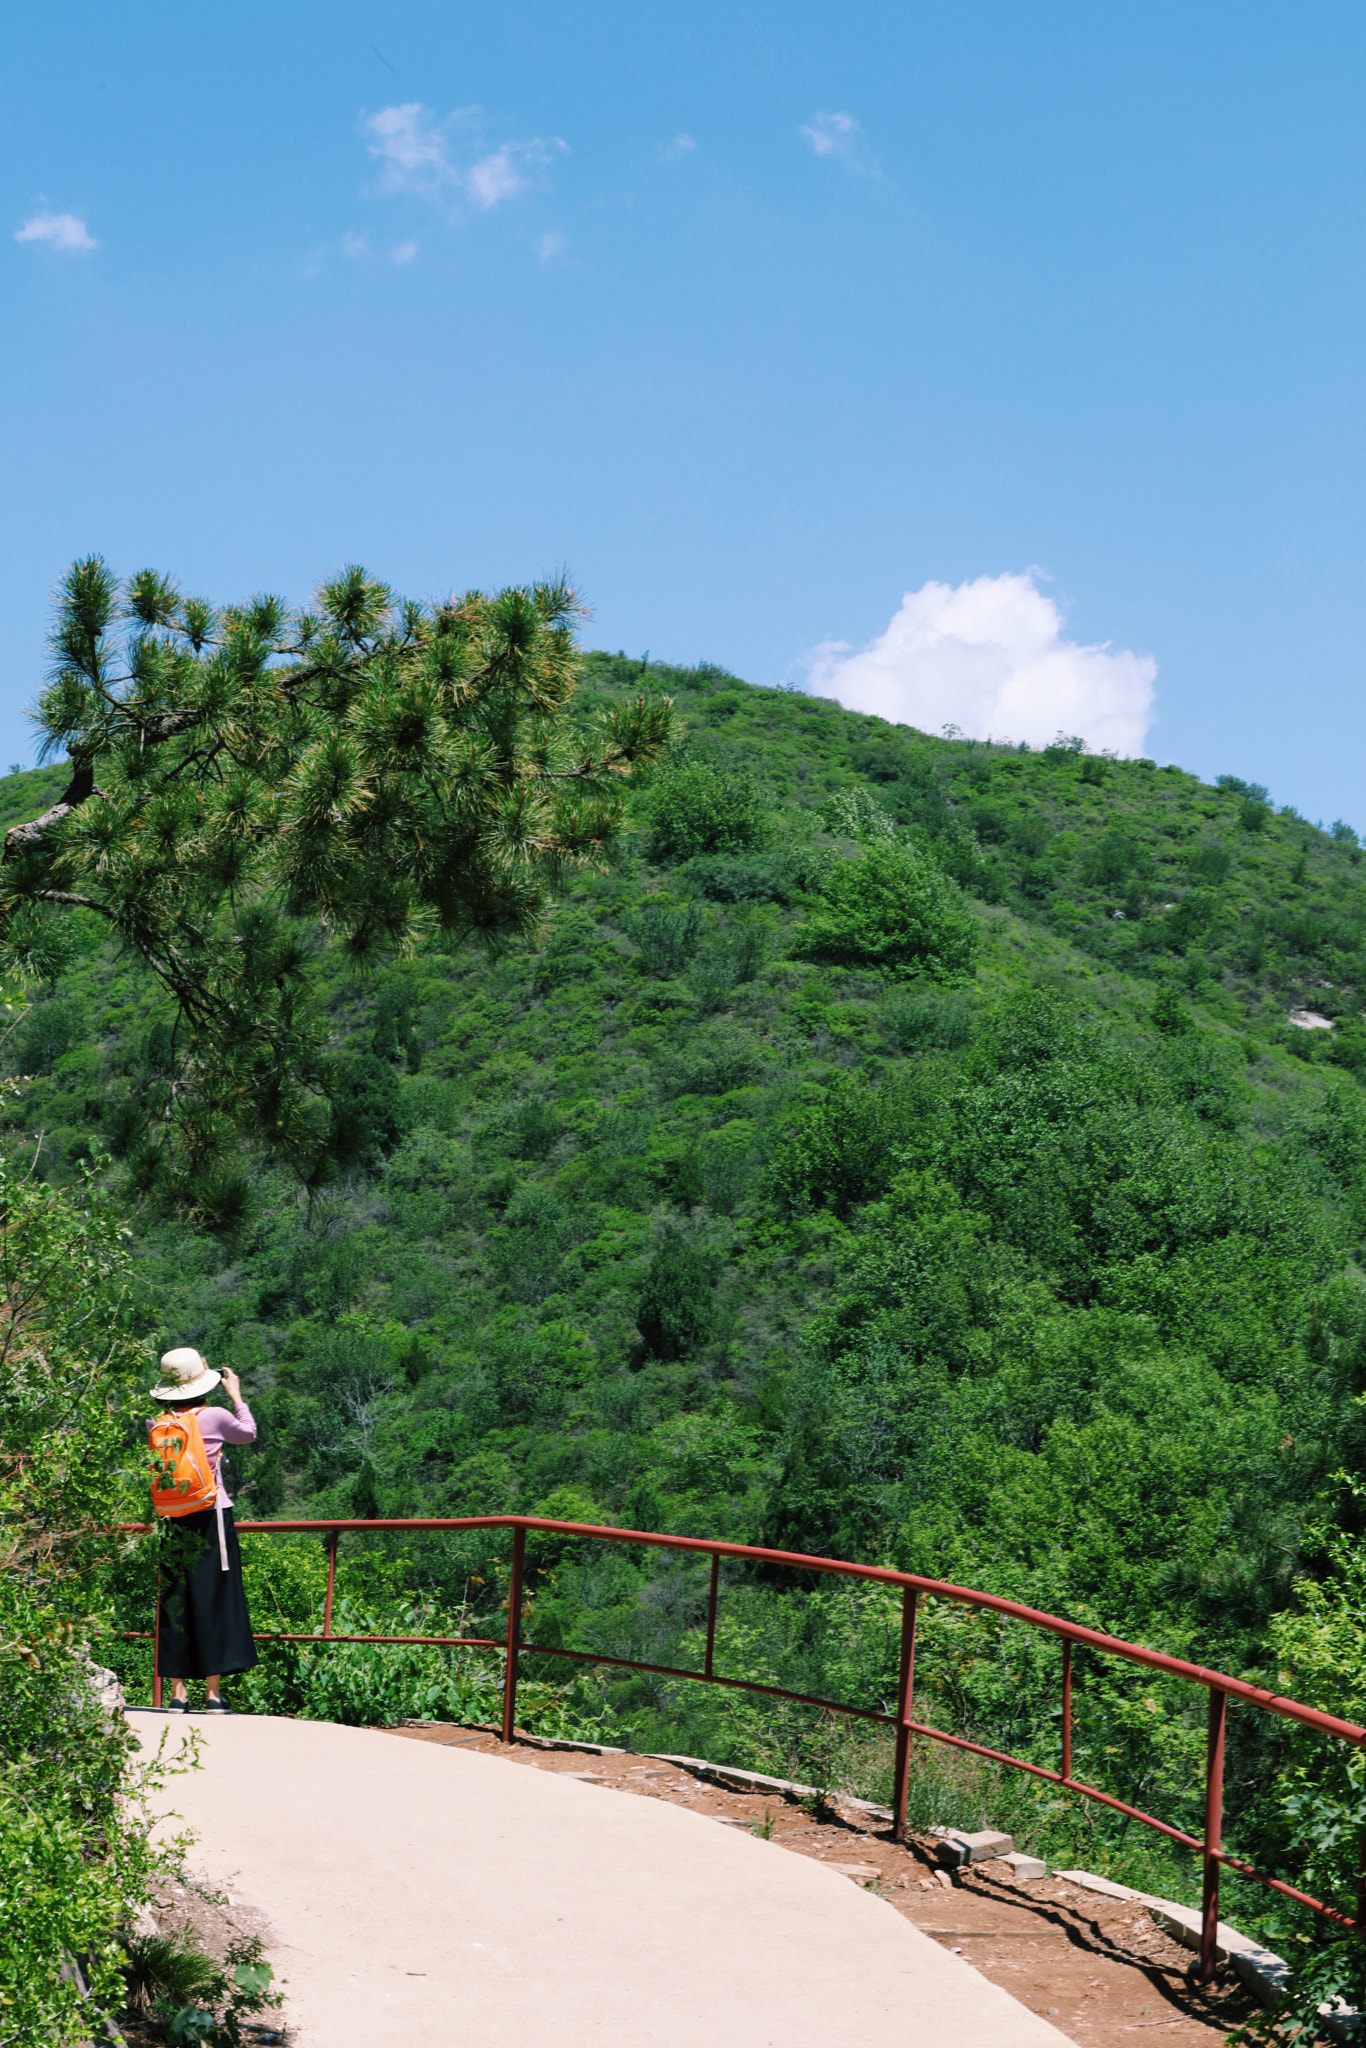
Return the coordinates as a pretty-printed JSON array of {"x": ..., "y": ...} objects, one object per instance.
[{"x": 202, "y": 1622}]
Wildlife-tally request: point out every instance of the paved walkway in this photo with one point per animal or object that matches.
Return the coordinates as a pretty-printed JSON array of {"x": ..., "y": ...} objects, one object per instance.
[{"x": 425, "y": 1895}]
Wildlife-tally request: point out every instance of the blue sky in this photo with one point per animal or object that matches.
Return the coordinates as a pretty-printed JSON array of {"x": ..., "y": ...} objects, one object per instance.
[{"x": 757, "y": 316}]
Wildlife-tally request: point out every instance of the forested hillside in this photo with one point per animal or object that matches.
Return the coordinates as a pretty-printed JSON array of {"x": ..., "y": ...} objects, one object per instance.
[{"x": 901, "y": 1151}]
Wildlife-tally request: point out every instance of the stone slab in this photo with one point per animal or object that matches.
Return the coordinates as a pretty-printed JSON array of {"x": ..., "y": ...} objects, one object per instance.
[{"x": 957, "y": 1848}]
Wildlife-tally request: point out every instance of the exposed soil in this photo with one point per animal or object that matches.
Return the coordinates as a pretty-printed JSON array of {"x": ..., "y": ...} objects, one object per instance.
[
  {"x": 1098, "y": 1968},
  {"x": 212, "y": 1920}
]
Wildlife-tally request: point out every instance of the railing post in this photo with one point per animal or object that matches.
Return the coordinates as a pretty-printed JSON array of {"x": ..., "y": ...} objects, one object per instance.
[
  {"x": 711, "y": 1611},
  {"x": 1066, "y": 1709},
  {"x": 332, "y": 1543},
  {"x": 1214, "y": 1832},
  {"x": 514, "y": 1632},
  {"x": 905, "y": 1695}
]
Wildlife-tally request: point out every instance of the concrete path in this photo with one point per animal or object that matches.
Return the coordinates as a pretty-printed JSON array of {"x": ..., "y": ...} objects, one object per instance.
[{"x": 420, "y": 1894}]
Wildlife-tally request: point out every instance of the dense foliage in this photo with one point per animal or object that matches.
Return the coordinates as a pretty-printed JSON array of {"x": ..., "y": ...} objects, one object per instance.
[
  {"x": 902, "y": 1150},
  {"x": 74, "y": 1854}
]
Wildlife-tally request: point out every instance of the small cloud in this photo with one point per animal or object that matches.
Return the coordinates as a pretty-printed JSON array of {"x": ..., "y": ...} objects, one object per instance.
[
  {"x": 410, "y": 148},
  {"x": 990, "y": 658},
  {"x": 548, "y": 247},
  {"x": 403, "y": 252},
  {"x": 65, "y": 232},
  {"x": 837, "y": 135},
  {"x": 419, "y": 153},
  {"x": 494, "y": 178}
]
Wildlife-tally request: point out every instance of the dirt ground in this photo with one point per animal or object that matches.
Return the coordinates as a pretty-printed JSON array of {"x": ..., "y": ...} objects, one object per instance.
[
  {"x": 1098, "y": 1968},
  {"x": 211, "y": 1920}
]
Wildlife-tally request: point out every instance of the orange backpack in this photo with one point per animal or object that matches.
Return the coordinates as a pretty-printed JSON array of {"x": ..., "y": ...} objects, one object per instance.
[{"x": 183, "y": 1481}]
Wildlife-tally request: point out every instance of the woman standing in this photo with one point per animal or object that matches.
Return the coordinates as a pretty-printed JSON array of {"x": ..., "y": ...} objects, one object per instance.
[{"x": 203, "y": 1628}]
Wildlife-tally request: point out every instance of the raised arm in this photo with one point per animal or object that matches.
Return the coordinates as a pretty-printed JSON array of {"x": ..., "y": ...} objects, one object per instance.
[{"x": 240, "y": 1426}]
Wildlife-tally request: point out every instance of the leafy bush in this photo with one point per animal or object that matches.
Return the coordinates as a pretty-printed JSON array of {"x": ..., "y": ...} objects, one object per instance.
[
  {"x": 893, "y": 909},
  {"x": 75, "y": 1853},
  {"x": 695, "y": 807},
  {"x": 1210, "y": 863},
  {"x": 674, "y": 1314},
  {"x": 380, "y": 1685},
  {"x": 918, "y": 1019},
  {"x": 49, "y": 1030},
  {"x": 741, "y": 877},
  {"x": 1170, "y": 1015},
  {"x": 537, "y": 1127},
  {"x": 734, "y": 957},
  {"x": 839, "y": 1151},
  {"x": 1112, "y": 859},
  {"x": 534, "y": 1235},
  {"x": 667, "y": 937},
  {"x": 365, "y": 1108},
  {"x": 856, "y": 814}
]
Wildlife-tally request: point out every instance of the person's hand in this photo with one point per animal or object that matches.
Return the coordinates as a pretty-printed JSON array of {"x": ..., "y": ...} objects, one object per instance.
[{"x": 232, "y": 1385}]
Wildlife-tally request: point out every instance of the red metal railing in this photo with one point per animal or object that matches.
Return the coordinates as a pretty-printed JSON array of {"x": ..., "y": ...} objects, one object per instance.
[{"x": 1220, "y": 1687}]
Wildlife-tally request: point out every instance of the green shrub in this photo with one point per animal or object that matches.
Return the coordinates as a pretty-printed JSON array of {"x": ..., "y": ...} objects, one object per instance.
[
  {"x": 695, "y": 808},
  {"x": 917, "y": 1020},
  {"x": 49, "y": 1030},
  {"x": 895, "y": 909},
  {"x": 381, "y": 1685},
  {"x": 75, "y": 1853},
  {"x": 533, "y": 1237},
  {"x": 537, "y": 1127},
  {"x": 1112, "y": 859},
  {"x": 840, "y": 1151},
  {"x": 365, "y": 1108},
  {"x": 856, "y": 814},
  {"x": 1170, "y": 1014},
  {"x": 667, "y": 937},
  {"x": 741, "y": 877},
  {"x": 733, "y": 957},
  {"x": 675, "y": 1313}
]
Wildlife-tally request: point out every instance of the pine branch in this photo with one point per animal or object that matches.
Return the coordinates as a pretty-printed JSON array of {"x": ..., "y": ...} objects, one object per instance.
[{"x": 78, "y": 791}]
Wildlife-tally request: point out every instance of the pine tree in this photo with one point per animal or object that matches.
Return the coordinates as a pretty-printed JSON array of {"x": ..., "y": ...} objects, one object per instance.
[{"x": 372, "y": 769}]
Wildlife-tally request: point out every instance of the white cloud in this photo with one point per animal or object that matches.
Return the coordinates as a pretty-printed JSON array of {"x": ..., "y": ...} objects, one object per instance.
[
  {"x": 419, "y": 153},
  {"x": 66, "y": 232},
  {"x": 834, "y": 135},
  {"x": 494, "y": 178},
  {"x": 412, "y": 150},
  {"x": 989, "y": 657}
]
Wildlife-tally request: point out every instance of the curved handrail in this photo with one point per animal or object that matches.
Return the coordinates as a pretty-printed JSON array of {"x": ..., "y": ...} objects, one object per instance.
[{"x": 1221, "y": 1686}]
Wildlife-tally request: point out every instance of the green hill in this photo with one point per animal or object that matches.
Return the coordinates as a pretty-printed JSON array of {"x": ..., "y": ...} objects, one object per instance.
[{"x": 1037, "y": 1270}]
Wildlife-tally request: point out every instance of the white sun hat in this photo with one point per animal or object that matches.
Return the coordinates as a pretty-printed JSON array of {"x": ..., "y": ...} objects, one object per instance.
[{"x": 184, "y": 1375}]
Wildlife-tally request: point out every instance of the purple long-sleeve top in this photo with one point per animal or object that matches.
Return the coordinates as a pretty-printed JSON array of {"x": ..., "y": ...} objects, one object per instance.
[{"x": 218, "y": 1427}]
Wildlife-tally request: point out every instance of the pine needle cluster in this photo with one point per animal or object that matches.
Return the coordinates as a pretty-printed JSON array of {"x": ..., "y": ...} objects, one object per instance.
[{"x": 253, "y": 783}]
